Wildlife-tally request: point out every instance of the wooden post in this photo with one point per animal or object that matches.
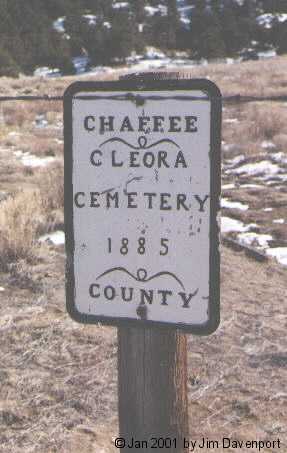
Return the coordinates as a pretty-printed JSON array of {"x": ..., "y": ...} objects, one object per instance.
[
  {"x": 152, "y": 380},
  {"x": 153, "y": 385}
]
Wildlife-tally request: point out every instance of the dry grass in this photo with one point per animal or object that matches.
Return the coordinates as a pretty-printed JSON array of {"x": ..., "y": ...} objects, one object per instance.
[
  {"x": 265, "y": 121},
  {"x": 40, "y": 145},
  {"x": 51, "y": 185},
  {"x": 29, "y": 213},
  {"x": 265, "y": 77},
  {"x": 254, "y": 124},
  {"x": 260, "y": 78},
  {"x": 20, "y": 217},
  {"x": 281, "y": 141},
  {"x": 16, "y": 115}
]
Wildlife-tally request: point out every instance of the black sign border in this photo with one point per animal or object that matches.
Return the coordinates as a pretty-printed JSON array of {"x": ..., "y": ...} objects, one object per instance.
[{"x": 214, "y": 95}]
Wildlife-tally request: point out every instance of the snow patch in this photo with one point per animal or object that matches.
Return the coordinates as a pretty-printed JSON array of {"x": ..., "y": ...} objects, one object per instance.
[
  {"x": 231, "y": 120},
  {"x": 81, "y": 63},
  {"x": 159, "y": 9},
  {"x": 58, "y": 24},
  {"x": 228, "y": 225},
  {"x": 185, "y": 13},
  {"x": 266, "y": 20},
  {"x": 57, "y": 238},
  {"x": 280, "y": 158},
  {"x": 45, "y": 71},
  {"x": 228, "y": 204},
  {"x": 90, "y": 18},
  {"x": 257, "y": 168},
  {"x": 154, "y": 54},
  {"x": 228, "y": 186},
  {"x": 30, "y": 160},
  {"x": 236, "y": 161},
  {"x": 267, "y": 54},
  {"x": 41, "y": 121},
  {"x": 229, "y": 147},
  {"x": 275, "y": 179},
  {"x": 121, "y": 5},
  {"x": 250, "y": 238},
  {"x": 100, "y": 70},
  {"x": 268, "y": 145},
  {"x": 280, "y": 253},
  {"x": 147, "y": 64},
  {"x": 251, "y": 186}
]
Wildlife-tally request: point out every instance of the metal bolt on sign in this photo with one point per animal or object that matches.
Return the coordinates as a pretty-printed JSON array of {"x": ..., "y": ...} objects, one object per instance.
[{"x": 142, "y": 187}]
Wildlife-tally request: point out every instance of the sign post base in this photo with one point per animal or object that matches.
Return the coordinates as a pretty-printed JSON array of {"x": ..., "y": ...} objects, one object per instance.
[{"x": 152, "y": 367}]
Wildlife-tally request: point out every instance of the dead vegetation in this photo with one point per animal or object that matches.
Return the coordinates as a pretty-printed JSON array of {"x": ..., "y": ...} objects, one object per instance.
[
  {"x": 27, "y": 214},
  {"x": 247, "y": 126},
  {"x": 51, "y": 185},
  {"x": 20, "y": 217},
  {"x": 265, "y": 121},
  {"x": 265, "y": 77},
  {"x": 58, "y": 380}
]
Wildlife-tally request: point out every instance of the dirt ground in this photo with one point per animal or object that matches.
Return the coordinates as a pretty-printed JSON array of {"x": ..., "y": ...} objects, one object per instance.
[{"x": 58, "y": 379}]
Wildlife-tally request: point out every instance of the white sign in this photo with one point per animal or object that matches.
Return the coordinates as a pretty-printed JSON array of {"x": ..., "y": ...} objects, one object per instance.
[{"x": 141, "y": 199}]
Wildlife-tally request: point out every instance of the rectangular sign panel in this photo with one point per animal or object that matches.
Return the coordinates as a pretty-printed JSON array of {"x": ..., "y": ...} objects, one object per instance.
[{"x": 142, "y": 186}]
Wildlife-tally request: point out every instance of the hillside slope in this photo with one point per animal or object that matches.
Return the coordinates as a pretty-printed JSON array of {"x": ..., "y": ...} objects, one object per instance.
[
  {"x": 58, "y": 379},
  {"x": 73, "y": 36}
]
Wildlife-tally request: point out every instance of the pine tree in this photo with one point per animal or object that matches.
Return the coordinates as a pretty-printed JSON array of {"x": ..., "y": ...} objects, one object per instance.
[
  {"x": 58, "y": 8},
  {"x": 76, "y": 27},
  {"x": 172, "y": 24},
  {"x": 218, "y": 28},
  {"x": 232, "y": 27},
  {"x": 138, "y": 9},
  {"x": 121, "y": 41},
  {"x": 206, "y": 39},
  {"x": 139, "y": 17},
  {"x": 98, "y": 7},
  {"x": 8, "y": 67},
  {"x": 280, "y": 37},
  {"x": 96, "y": 42},
  {"x": 247, "y": 22},
  {"x": 274, "y": 6}
]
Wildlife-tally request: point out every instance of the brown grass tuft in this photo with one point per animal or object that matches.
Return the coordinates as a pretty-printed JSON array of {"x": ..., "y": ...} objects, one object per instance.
[
  {"x": 16, "y": 115},
  {"x": 51, "y": 184},
  {"x": 281, "y": 141},
  {"x": 20, "y": 217},
  {"x": 266, "y": 121}
]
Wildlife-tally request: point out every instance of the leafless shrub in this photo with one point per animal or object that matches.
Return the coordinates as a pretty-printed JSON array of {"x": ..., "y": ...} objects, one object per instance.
[
  {"x": 16, "y": 115},
  {"x": 51, "y": 184},
  {"x": 280, "y": 141},
  {"x": 28, "y": 171},
  {"x": 27, "y": 214},
  {"x": 20, "y": 217},
  {"x": 21, "y": 277},
  {"x": 39, "y": 145},
  {"x": 265, "y": 122}
]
